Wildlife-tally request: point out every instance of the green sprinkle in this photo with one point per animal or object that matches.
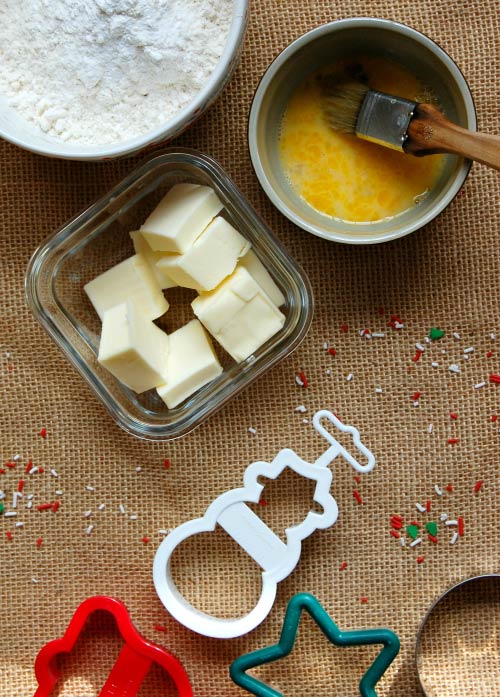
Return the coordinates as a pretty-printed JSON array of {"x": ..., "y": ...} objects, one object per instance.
[
  {"x": 436, "y": 333},
  {"x": 431, "y": 528},
  {"x": 412, "y": 531},
  {"x": 2, "y": 507}
]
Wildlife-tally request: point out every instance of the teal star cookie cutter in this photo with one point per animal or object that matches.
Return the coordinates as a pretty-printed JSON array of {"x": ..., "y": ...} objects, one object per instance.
[{"x": 308, "y": 603}]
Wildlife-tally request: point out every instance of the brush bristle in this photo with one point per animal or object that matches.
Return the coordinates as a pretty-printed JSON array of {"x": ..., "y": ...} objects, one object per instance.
[{"x": 342, "y": 103}]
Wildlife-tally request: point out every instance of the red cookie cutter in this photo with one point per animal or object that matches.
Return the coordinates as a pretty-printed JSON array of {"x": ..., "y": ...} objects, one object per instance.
[{"x": 132, "y": 664}]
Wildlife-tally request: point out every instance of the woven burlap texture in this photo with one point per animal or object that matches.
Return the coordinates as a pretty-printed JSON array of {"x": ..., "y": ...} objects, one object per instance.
[{"x": 446, "y": 275}]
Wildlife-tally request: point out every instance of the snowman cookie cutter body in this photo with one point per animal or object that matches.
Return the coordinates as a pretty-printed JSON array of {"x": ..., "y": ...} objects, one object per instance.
[{"x": 276, "y": 558}]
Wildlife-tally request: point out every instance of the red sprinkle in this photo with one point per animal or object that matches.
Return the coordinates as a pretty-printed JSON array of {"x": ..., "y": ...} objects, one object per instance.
[
  {"x": 495, "y": 378},
  {"x": 55, "y": 506},
  {"x": 343, "y": 566},
  {"x": 395, "y": 320},
  {"x": 417, "y": 355},
  {"x": 20, "y": 486},
  {"x": 28, "y": 468},
  {"x": 40, "y": 470},
  {"x": 489, "y": 354},
  {"x": 11, "y": 465},
  {"x": 494, "y": 417},
  {"x": 414, "y": 522},
  {"x": 460, "y": 521},
  {"x": 9, "y": 535},
  {"x": 43, "y": 432},
  {"x": 397, "y": 522},
  {"x": 452, "y": 441},
  {"x": 332, "y": 352},
  {"x": 416, "y": 396},
  {"x": 357, "y": 478},
  {"x": 39, "y": 542},
  {"x": 166, "y": 463},
  {"x": 449, "y": 488},
  {"x": 478, "y": 486},
  {"x": 420, "y": 560},
  {"x": 344, "y": 328},
  {"x": 145, "y": 540},
  {"x": 357, "y": 496},
  {"x": 364, "y": 599},
  {"x": 262, "y": 502},
  {"x": 428, "y": 506},
  {"x": 453, "y": 416},
  {"x": 395, "y": 534},
  {"x": 432, "y": 538},
  {"x": 160, "y": 628},
  {"x": 2, "y": 471},
  {"x": 303, "y": 379},
  {"x": 45, "y": 506}
]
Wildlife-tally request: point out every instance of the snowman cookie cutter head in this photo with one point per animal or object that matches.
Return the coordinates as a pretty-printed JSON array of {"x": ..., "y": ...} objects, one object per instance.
[{"x": 276, "y": 558}]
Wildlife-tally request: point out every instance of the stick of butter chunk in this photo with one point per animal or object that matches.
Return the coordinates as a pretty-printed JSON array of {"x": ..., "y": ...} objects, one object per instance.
[
  {"x": 211, "y": 257},
  {"x": 132, "y": 348},
  {"x": 258, "y": 271},
  {"x": 239, "y": 314},
  {"x": 180, "y": 217},
  {"x": 142, "y": 247},
  {"x": 191, "y": 363},
  {"x": 131, "y": 278}
]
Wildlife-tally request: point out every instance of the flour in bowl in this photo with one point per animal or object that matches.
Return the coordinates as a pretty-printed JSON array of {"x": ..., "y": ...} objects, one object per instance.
[{"x": 103, "y": 71}]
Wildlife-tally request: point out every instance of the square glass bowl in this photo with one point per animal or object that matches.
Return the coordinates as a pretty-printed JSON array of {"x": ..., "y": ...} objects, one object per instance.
[{"x": 98, "y": 238}]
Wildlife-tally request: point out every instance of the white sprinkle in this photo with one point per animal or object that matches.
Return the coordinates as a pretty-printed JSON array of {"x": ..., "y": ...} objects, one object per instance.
[
  {"x": 325, "y": 345},
  {"x": 252, "y": 430},
  {"x": 454, "y": 538},
  {"x": 14, "y": 499},
  {"x": 33, "y": 470},
  {"x": 438, "y": 491},
  {"x": 7, "y": 354},
  {"x": 138, "y": 469},
  {"x": 19, "y": 524},
  {"x": 328, "y": 371},
  {"x": 378, "y": 335},
  {"x": 469, "y": 350},
  {"x": 454, "y": 368},
  {"x": 101, "y": 506},
  {"x": 398, "y": 325},
  {"x": 162, "y": 531},
  {"x": 34, "y": 580},
  {"x": 299, "y": 381},
  {"x": 16, "y": 458},
  {"x": 54, "y": 473},
  {"x": 451, "y": 522},
  {"x": 420, "y": 508},
  {"x": 305, "y": 421},
  {"x": 122, "y": 509},
  {"x": 89, "y": 529},
  {"x": 479, "y": 385},
  {"x": 493, "y": 336},
  {"x": 427, "y": 339},
  {"x": 416, "y": 403},
  {"x": 30, "y": 496},
  {"x": 431, "y": 428},
  {"x": 443, "y": 517},
  {"x": 403, "y": 541},
  {"x": 379, "y": 390},
  {"x": 301, "y": 408},
  {"x": 90, "y": 488},
  {"x": 29, "y": 504},
  {"x": 10, "y": 514},
  {"x": 2, "y": 495},
  {"x": 420, "y": 347},
  {"x": 59, "y": 492},
  {"x": 443, "y": 351},
  {"x": 87, "y": 514},
  {"x": 434, "y": 364},
  {"x": 456, "y": 335},
  {"x": 416, "y": 542},
  {"x": 349, "y": 377},
  {"x": 132, "y": 517},
  {"x": 466, "y": 356}
]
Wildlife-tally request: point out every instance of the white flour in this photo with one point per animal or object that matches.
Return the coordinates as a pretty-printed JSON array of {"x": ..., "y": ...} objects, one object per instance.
[{"x": 102, "y": 71}]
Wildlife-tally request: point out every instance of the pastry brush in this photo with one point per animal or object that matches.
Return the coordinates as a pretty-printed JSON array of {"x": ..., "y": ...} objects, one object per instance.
[{"x": 402, "y": 124}]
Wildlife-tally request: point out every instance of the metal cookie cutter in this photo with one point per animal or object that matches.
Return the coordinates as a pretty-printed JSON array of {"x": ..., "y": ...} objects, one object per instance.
[
  {"x": 304, "y": 602},
  {"x": 133, "y": 663},
  {"x": 276, "y": 558}
]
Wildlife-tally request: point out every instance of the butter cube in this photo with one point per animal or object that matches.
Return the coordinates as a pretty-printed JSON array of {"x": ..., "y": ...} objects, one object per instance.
[
  {"x": 212, "y": 257},
  {"x": 239, "y": 314},
  {"x": 142, "y": 247},
  {"x": 132, "y": 348},
  {"x": 180, "y": 217},
  {"x": 258, "y": 271},
  {"x": 131, "y": 278},
  {"x": 191, "y": 363}
]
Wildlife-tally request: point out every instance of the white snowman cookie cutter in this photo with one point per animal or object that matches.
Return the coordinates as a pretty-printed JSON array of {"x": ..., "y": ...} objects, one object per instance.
[{"x": 276, "y": 558}]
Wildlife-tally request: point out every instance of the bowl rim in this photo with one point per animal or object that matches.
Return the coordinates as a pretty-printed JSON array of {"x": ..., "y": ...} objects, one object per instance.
[
  {"x": 183, "y": 119},
  {"x": 298, "y": 43}
]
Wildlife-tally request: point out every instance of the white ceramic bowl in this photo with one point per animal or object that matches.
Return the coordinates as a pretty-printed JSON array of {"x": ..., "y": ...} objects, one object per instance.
[
  {"x": 321, "y": 47},
  {"x": 17, "y": 130}
]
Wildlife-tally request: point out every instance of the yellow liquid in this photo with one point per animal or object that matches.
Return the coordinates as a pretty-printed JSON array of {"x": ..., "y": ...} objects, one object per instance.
[{"x": 344, "y": 176}]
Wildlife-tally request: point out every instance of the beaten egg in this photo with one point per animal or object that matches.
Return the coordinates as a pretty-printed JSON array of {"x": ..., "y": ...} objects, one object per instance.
[{"x": 341, "y": 175}]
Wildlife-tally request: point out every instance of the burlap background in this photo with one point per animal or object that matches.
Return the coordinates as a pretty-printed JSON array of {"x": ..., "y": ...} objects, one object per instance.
[{"x": 446, "y": 276}]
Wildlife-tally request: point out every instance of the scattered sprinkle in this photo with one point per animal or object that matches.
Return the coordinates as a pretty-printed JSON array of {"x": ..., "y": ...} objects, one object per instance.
[
  {"x": 451, "y": 523},
  {"x": 438, "y": 491},
  {"x": 301, "y": 409},
  {"x": 412, "y": 531},
  {"x": 364, "y": 599},
  {"x": 101, "y": 506},
  {"x": 54, "y": 473},
  {"x": 145, "y": 540},
  {"x": 252, "y": 430},
  {"x": 160, "y": 628},
  {"x": 166, "y": 463},
  {"x": 90, "y": 488},
  {"x": 349, "y": 377},
  {"x": 436, "y": 333},
  {"x": 431, "y": 528},
  {"x": 122, "y": 509},
  {"x": 138, "y": 469},
  {"x": 454, "y": 538},
  {"x": 9, "y": 535},
  {"x": 417, "y": 541},
  {"x": 420, "y": 508},
  {"x": 443, "y": 517},
  {"x": 477, "y": 486},
  {"x": 332, "y": 351},
  {"x": 89, "y": 529},
  {"x": 454, "y": 368},
  {"x": 87, "y": 514},
  {"x": 453, "y": 416},
  {"x": 495, "y": 378},
  {"x": 10, "y": 514},
  {"x": 379, "y": 390},
  {"x": 430, "y": 428},
  {"x": 470, "y": 349},
  {"x": 460, "y": 522},
  {"x": 357, "y": 496},
  {"x": 343, "y": 566},
  {"x": 434, "y": 364},
  {"x": 456, "y": 335},
  {"x": 452, "y": 441},
  {"x": 39, "y": 542},
  {"x": 478, "y": 385},
  {"x": 43, "y": 432},
  {"x": 344, "y": 328},
  {"x": 420, "y": 560}
]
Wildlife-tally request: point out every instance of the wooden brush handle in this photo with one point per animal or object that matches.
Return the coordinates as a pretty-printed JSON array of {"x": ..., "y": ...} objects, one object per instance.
[{"x": 430, "y": 132}]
